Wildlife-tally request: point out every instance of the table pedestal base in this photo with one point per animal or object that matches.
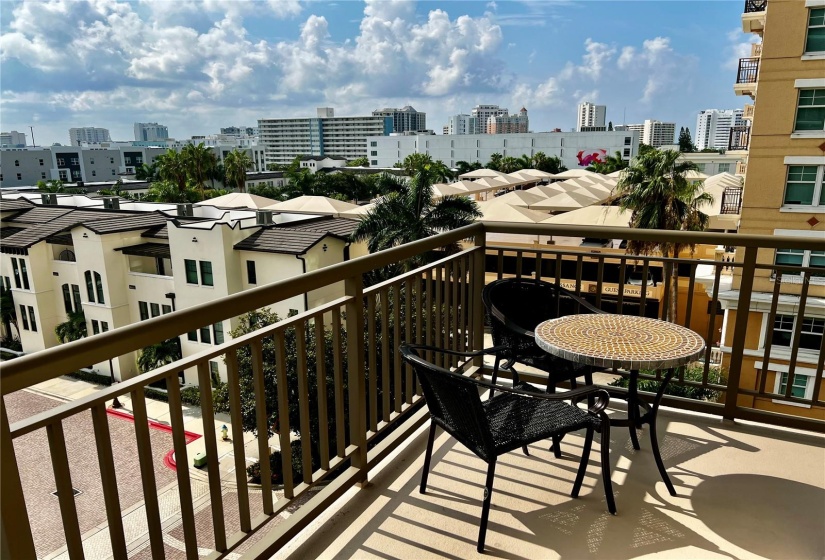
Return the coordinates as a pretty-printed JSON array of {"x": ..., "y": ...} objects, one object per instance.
[{"x": 635, "y": 420}]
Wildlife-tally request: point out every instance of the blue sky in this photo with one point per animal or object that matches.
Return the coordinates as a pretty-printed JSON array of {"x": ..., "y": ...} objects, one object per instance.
[{"x": 198, "y": 65}]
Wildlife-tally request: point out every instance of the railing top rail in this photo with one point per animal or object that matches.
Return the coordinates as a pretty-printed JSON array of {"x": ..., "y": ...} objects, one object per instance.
[
  {"x": 682, "y": 237},
  {"x": 34, "y": 368},
  {"x": 417, "y": 272}
]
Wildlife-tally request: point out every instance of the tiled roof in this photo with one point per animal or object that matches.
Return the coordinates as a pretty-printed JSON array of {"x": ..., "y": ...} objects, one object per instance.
[
  {"x": 157, "y": 250},
  {"x": 128, "y": 223},
  {"x": 9, "y": 204},
  {"x": 337, "y": 226},
  {"x": 157, "y": 232},
  {"x": 6, "y": 231},
  {"x": 281, "y": 240},
  {"x": 41, "y": 214}
]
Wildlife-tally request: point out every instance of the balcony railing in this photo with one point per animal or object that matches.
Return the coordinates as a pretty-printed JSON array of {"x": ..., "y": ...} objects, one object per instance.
[
  {"x": 732, "y": 200},
  {"x": 741, "y": 168},
  {"x": 376, "y": 402},
  {"x": 739, "y": 138},
  {"x": 752, "y": 6},
  {"x": 748, "y": 71},
  {"x": 756, "y": 50},
  {"x": 747, "y": 113}
]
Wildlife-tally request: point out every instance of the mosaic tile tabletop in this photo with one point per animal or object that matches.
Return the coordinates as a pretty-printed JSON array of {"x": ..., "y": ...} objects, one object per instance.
[{"x": 625, "y": 341}]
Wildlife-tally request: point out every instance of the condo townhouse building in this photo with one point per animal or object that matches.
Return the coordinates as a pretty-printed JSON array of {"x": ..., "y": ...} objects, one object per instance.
[
  {"x": 121, "y": 262},
  {"x": 107, "y": 161},
  {"x": 783, "y": 195}
]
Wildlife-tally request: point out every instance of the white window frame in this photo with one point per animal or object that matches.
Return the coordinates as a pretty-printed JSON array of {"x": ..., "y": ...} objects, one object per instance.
[
  {"x": 792, "y": 331},
  {"x": 819, "y": 162},
  {"x": 808, "y": 28},
  {"x": 803, "y": 84}
]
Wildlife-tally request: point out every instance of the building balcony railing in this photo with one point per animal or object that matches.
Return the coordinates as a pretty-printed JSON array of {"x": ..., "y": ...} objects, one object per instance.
[
  {"x": 748, "y": 71},
  {"x": 741, "y": 168},
  {"x": 340, "y": 381},
  {"x": 748, "y": 111},
  {"x": 739, "y": 138},
  {"x": 732, "y": 200},
  {"x": 756, "y": 50},
  {"x": 752, "y": 6}
]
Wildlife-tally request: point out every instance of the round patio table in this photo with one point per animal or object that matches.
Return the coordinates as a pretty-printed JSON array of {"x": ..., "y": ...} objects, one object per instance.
[{"x": 629, "y": 342}]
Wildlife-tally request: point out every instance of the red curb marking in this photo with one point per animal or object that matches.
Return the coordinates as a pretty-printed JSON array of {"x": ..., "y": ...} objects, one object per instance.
[{"x": 168, "y": 459}]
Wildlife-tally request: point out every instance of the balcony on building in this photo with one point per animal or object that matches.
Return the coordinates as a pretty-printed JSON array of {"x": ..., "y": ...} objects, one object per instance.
[
  {"x": 739, "y": 138},
  {"x": 746, "y": 77},
  {"x": 753, "y": 16},
  {"x": 747, "y": 113},
  {"x": 741, "y": 168},
  {"x": 742, "y": 439}
]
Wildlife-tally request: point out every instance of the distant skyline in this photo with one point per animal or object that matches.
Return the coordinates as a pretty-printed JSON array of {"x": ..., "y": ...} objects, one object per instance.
[{"x": 199, "y": 65}]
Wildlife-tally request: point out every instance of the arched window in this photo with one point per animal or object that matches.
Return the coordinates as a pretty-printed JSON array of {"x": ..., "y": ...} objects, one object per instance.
[{"x": 66, "y": 255}]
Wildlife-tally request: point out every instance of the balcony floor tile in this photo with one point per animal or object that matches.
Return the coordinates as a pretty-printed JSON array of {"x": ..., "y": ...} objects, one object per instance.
[{"x": 745, "y": 491}]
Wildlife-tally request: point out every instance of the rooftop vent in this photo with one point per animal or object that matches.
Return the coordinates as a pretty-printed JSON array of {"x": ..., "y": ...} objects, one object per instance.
[
  {"x": 263, "y": 217},
  {"x": 185, "y": 210},
  {"x": 49, "y": 199}
]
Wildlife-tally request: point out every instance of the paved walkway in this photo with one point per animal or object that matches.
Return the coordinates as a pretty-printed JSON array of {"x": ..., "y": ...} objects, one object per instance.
[{"x": 32, "y": 454}]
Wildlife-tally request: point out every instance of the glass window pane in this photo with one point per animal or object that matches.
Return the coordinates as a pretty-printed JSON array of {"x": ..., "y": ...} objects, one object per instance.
[
  {"x": 192, "y": 335},
  {"x": 205, "y": 336},
  {"x": 810, "y": 118},
  {"x": 99, "y": 288},
  {"x": 78, "y": 305},
  {"x": 90, "y": 288},
  {"x": 95, "y": 327},
  {"x": 191, "y": 272},
  {"x": 67, "y": 299},
  {"x": 166, "y": 309},
  {"x": 802, "y": 173},
  {"x": 816, "y": 17},
  {"x": 25, "y": 317},
  {"x": 218, "y": 331},
  {"x": 25, "y": 274},
  {"x": 144, "y": 310},
  {"x": 104, "y": 326},
  {"x": 816, "y": 40},
  {"x": 800, "y": 382},
  {"x": 32, "y": 320},
  {"x": 799, "y": 193},
  {"x": 206, "y": 273},
  {"x": 155, "y": 309}
]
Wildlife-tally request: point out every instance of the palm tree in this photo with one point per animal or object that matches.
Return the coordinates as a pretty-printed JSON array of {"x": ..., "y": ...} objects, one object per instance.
[
  {"x": 236, "y": 163},
  {"x": 509, "y": 164},
  {"x": 655, "y": 190},
  {"x": 410, "y": 214},
  {"x": 158, "y": 355},
  {"x": 147, "y": 172},
  {"x": 73, "y": 329},
  {"x": 172, "y": 167},
  {"x": 200, "y": 161},
  {"x": 609, "y": 165},
  {"x": 465, "y": 167},
  {"x": 524, "y": 162},
  {"x": 551, "y": 164},
  {"x": 495, "y": 162},
  {"x": 166, "y": 191}
]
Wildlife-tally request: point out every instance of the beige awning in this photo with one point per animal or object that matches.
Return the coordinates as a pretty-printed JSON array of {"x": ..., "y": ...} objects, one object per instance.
[
  {"x": 481, "y": 173},
  {"x": 520, "y": 198},
  {"x": 546, "y": 190},
  {"x": 574, "y": 173},
  {"x": 238, "y": 200},
  {"x": 444, "y": 189},
  {"x": 313, "y": 205},
  {"x": 358, "y": 212},
  {"x": 495, "y": 211},
  {"x": 564, "y": 202},
  {"x": 611, "y": 216}
]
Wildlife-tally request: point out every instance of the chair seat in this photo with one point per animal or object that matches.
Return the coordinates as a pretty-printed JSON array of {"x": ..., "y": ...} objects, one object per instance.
[{"x": 516, "y": 421}]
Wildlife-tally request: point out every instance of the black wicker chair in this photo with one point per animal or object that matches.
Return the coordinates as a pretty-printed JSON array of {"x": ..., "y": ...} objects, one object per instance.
[
  {"x": 515, "y": 306},
  {"x": 513, "y": 418}
]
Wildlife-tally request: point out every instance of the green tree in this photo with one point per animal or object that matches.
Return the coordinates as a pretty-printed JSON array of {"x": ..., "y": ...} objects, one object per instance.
[
  {"x": 610, "y": 164},
  {"x": 610, "y": 126},
  {"x": 548, "y": 164},
  {"x": 166, "y": 191},
  {"x": 73, "y": 329},
  {"x": 654, "y": 188},
  {"x": 524, "y": 162},
  {"x": 8, "y": 313},
  {"x": 509, "y": 164},
  {"x": 410, "y": 214},
  {"x": 685, "y": 141},
  {"x": 158, "y": 355},
  {"x": 359, "y": 162},
  {"x": 147, "y": 172},
  {"x": 199, "y": 163},
  {"x": 465, "y": 167},
  {"x": 52, "y": 186},
  {"x": 172, "y": 167},
  {"x": 237, "y": 163},
  {"x": 495, "y": 162}
]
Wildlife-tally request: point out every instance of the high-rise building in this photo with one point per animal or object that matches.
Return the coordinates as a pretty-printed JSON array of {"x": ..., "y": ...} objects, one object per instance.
[
  {"x": 483, "y": 113},
  {"x": 149, "y": 132},
  {"x": 589, "y": 115},
  {"x": 326, "y": 134},
  {"x": 784, "y": 195},
  {"x": 508, "y": 124},
  {"x": 657, "y": 133},
  {"x": 713, "y": 127},
  {"x": 89, "y": 134},
  {"x": 461, "y": 124},
  {"x": 240, "y": 131},
  {"x": 12, "y": 139},
  {"x": 406, "y": 119}
]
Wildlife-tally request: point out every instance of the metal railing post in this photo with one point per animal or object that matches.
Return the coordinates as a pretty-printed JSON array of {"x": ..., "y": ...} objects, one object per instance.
[
  {"x": 480, "y": 241},
  {"x": 354, "y": 289},
  {"x": 740, "y": 330},
  {"x": 15, "y": 532}
]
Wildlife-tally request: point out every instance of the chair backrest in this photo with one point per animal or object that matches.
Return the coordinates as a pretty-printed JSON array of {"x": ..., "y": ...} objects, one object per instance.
[
  {"x": 454, "y": 403},
  {"x": 527, "y": 302}
]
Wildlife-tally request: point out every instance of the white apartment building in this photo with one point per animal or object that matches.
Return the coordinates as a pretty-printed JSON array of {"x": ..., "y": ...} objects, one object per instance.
[
  {"x": 326, "y": 134},
  {"x": 134, "y": 261},
  {"x": 590, "y": 115},
  {"x": 713, "y": 127},
  {"x": 461, "y": 124},
  {"x": 12, "y": 139},
  {"x": 88, "y": 134},
  {"x": 574, "y": 148},
  {"x": 149, "y": 132}
]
